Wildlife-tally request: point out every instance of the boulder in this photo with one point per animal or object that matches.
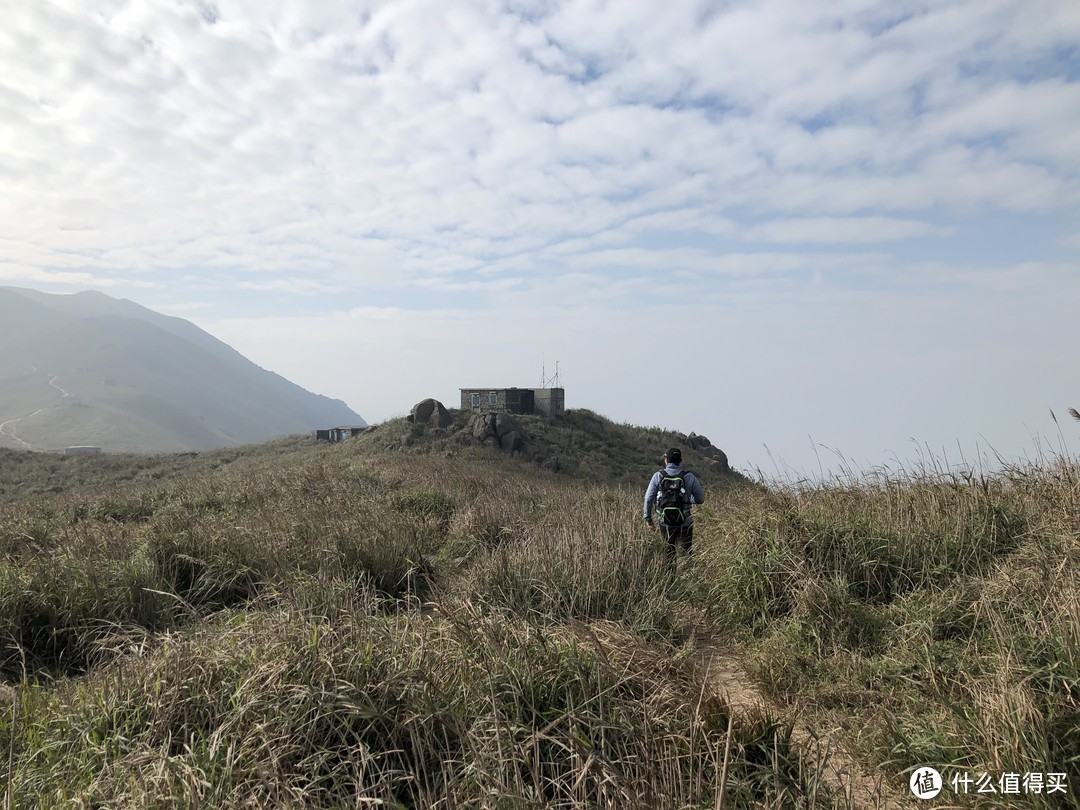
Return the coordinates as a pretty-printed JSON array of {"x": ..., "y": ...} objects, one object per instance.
[
  {"x": 551, "y": 464},
  {"x": 514, "y": 441},
  {"x": 721, "y": 456},
  {"x": 510, "y": 428},
  {"x": 423, "y": 409},
  {"x": 698, "y": 442},
  {"x": 500, "y": 430},
  {"x": 716, "y": 460},
  {"x": 431, "y": 412},
  {"x": 482, "y": 428}
]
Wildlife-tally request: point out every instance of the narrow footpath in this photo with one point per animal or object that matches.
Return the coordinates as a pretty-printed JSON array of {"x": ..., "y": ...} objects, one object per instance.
[{"x": 857, "y": 790}]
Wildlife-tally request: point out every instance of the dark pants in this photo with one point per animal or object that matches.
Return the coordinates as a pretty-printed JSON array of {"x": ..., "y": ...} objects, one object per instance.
[{"x": 677, "y": 537}]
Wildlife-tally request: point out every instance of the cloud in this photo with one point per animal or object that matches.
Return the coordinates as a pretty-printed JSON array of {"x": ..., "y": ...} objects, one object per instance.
[
  {"x": 582, "y": 158},
  {"x": 162, "y": 135},
  {"x": 34, "y": 275},
  {"x": 842, "y": 230}
]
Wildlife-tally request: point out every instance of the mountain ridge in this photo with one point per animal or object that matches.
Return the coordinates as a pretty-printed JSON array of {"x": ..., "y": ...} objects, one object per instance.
[{"x": 90, "y": 369}]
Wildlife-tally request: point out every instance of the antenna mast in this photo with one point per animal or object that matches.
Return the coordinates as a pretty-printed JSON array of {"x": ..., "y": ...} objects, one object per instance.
[{"x": 545, "y": 381}]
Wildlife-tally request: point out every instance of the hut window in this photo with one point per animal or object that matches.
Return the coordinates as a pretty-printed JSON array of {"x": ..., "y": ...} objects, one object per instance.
[
  {"x": 493, "y": 398},
  {"x": 476, "y": 400}
]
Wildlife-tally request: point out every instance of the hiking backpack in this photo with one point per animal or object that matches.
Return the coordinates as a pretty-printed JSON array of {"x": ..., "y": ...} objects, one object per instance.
[{"x": 672, "y": 499}]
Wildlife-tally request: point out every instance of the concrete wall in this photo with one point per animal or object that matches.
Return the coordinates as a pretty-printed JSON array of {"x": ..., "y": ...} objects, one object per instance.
[
  {"x": 498, "y": 400},
  {"x": 486, "y": 402},
  {"x": 520, "y": 400},
  {"x": 550, "y": 401}
]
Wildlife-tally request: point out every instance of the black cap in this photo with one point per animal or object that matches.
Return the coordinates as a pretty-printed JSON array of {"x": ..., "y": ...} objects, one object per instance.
[{"x": 674, "y": 455}]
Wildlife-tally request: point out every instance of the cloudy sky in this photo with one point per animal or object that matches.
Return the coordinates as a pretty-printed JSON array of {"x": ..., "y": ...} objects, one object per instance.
[{"x": 811, "y": 231}]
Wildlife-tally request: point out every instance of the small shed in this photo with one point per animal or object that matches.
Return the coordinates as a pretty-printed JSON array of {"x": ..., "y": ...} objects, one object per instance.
[
  {"x": 337, "y": 434},
  {"x": 82, "y": 450}
]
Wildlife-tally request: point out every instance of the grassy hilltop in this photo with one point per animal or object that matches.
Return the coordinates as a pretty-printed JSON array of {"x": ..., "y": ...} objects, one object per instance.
[{"x": 405, "y": 619}]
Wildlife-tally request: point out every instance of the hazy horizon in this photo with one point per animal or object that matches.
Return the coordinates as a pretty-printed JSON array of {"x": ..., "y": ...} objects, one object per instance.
[{"x": 819, "y": 235}]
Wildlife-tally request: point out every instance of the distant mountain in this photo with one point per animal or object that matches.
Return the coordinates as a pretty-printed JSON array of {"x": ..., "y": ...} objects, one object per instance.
[{"x": 91, "y": 369}]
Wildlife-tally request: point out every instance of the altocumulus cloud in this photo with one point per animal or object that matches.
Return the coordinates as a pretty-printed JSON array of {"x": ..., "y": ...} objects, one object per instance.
[{"x": 785, "y": 184}]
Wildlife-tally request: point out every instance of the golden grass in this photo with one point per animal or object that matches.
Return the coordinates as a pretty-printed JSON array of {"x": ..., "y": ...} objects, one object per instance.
[{"x": 347, "y": 625}]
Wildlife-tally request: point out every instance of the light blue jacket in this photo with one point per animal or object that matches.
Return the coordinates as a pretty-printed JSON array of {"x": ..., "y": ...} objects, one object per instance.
[{"x": 693, "y": 487}]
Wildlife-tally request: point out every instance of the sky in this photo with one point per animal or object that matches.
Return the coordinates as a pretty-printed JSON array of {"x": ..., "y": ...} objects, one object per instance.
[{"x": 827, "y": 236}]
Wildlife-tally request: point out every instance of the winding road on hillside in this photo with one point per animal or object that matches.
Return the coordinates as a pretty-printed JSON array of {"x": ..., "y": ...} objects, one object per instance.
[
  {"x": 4, "y": 432},
  {"x": 52, "y": 382},
  {"x": 11, "y": 435}
]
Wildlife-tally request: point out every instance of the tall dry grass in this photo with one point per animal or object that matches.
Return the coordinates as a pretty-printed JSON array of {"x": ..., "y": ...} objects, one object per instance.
[
  {"x": 342, "y": 625},
  {"x": 342, "y": 629},
  {"x": 937, "y": 608}
]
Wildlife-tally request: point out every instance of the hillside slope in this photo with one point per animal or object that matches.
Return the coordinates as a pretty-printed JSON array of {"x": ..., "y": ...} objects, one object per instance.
[
  {"x": 580, "y": 443},
  {"x": 88, "y": 369},
  {"x": 585, "y": 444}
]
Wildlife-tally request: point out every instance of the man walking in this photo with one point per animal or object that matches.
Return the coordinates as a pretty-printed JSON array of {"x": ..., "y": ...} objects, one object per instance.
[{"x": 670, "y": 494}]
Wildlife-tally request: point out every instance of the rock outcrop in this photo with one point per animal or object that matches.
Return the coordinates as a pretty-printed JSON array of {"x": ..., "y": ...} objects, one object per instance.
[
  {"x": 431, "y": 412},
  {"x": 720, "y": 457},
  {"x": 716, "y": 460},
  {"x": 698, "y": 442},
  {"x": 430, "y": 420},
  {"x": 502, "y": 431}
]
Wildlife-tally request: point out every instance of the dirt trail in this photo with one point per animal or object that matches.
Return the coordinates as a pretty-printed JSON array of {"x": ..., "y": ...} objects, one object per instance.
[
  {"x": 56, "y": 385},
  {"x": 843, "y": 775},
  {"x": 11, "y": 435},
  {"x": 853, "y": 788}
]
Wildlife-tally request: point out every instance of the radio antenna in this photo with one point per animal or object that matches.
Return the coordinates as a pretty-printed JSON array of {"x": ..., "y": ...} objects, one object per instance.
[{"x": 545, "y": 381}]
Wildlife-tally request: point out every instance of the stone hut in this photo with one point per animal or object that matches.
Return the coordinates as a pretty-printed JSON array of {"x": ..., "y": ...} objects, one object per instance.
[{"x": 548, "y": 401}]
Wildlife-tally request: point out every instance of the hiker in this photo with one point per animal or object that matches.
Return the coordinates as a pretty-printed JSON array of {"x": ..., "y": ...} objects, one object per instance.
[{"x": 670, "y": 494}]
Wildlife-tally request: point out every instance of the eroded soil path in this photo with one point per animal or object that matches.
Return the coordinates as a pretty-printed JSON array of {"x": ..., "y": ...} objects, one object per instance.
[
  {"x": 725, "y": 676},
  {"x": 855, "y": 788}
]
